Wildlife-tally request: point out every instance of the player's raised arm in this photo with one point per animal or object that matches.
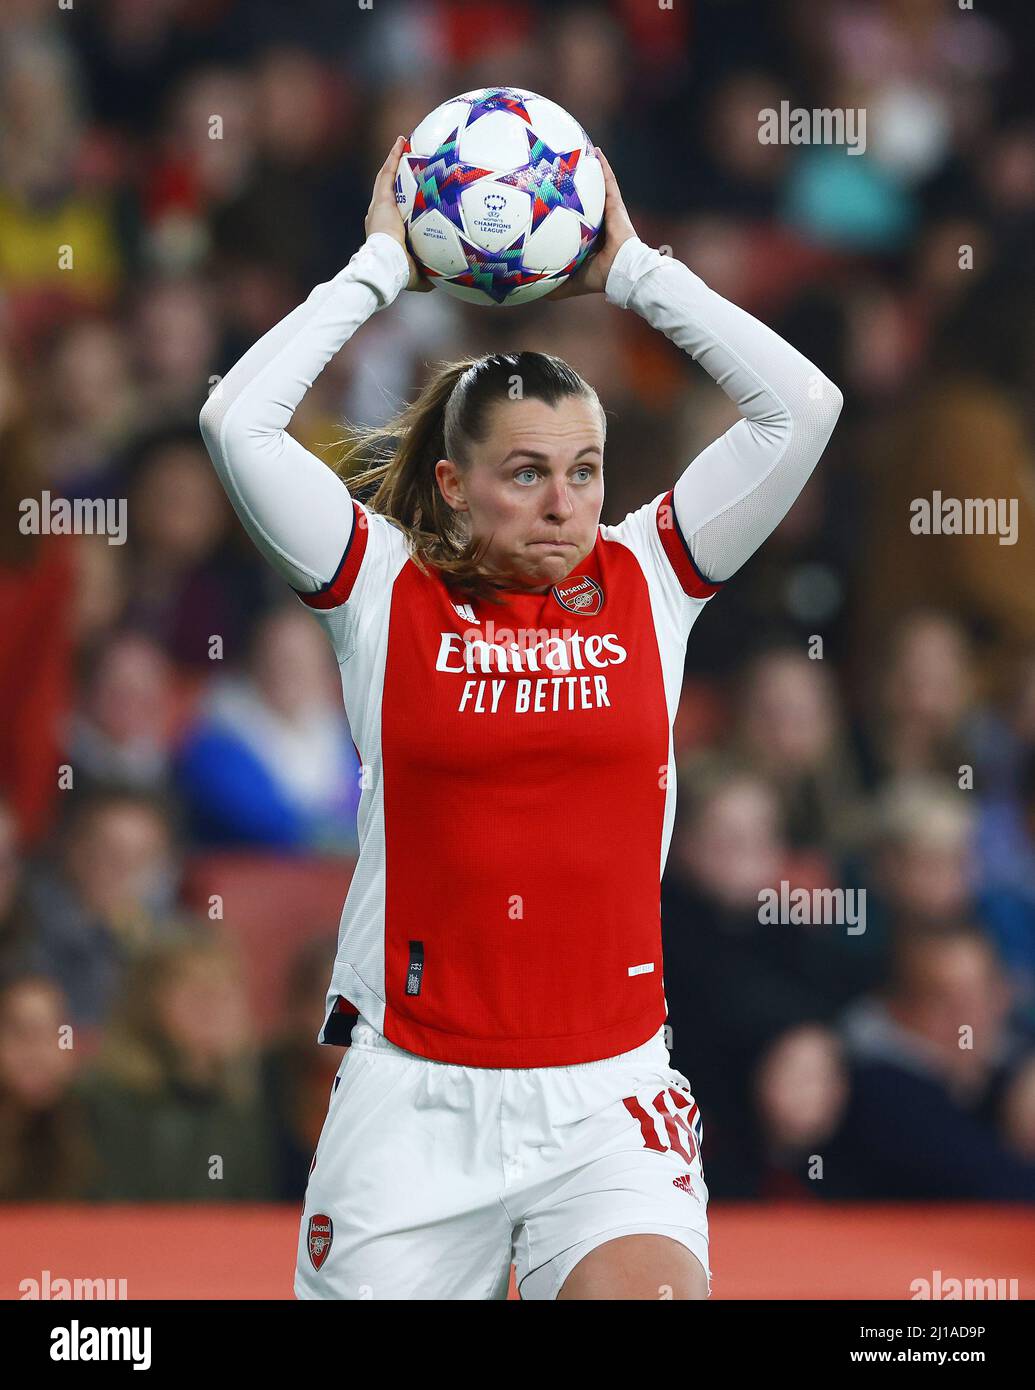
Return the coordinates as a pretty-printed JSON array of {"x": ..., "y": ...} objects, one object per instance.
[
  {"x": 296, "y": 510},
  {"x": 734, "y": 493}
]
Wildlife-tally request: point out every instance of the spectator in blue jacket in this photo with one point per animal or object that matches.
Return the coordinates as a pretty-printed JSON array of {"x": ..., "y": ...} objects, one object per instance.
[{"x": 271, "y": 762}]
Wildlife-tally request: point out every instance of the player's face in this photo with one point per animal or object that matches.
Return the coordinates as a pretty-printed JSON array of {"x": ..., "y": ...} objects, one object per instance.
[{"x": 535, "y": 487}]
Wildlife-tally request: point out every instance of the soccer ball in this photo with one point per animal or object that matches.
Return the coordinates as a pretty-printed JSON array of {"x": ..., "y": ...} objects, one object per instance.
[{"x": 501, "y": 194}]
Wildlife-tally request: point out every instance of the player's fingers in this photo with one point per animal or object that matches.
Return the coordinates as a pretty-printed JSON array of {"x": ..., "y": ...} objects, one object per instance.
[
  {"x": 614, "y": 202},
  {"x": 386, "y": 173},
  {"x": 610, "y": 182}
]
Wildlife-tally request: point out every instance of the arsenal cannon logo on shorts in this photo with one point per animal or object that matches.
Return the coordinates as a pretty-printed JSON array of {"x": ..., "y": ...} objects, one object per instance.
[{"x": 321, "y": 1233}]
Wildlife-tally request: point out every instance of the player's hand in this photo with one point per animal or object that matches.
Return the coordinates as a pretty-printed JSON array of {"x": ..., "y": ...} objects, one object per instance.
[
  {"x": 383, "y": 214},
  {"x": 591, "y": 276}
]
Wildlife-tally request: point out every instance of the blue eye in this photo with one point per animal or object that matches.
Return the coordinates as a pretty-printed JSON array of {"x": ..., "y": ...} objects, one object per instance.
[{"x": 528, "y": 471}]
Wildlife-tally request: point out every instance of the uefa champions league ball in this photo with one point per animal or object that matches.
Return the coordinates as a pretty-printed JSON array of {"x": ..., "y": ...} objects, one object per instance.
[{"x": 501, "y": 194}]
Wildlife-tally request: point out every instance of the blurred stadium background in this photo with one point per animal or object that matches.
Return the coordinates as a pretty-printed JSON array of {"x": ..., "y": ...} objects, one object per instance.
[{"x": 177, "y": 903}]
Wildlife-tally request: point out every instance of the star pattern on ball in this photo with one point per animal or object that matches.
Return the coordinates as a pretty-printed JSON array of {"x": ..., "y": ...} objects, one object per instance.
[
  {"x": 587, "y": 239},
  {"x": 548, "y": 178},
  {"x": 495, "y": 273},
  {"x": 441, "y": 179},
  {"x": 498, "y": 99}
]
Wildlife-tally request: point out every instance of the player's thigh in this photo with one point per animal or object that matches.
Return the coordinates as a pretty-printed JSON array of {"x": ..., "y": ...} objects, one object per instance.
[
  {"x": 637, "y": 1267},
  {"x": 629, "y": 1165}
]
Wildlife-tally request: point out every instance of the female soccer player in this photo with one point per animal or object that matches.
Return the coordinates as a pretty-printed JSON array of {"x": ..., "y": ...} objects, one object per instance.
[{"x": 511, "y": 669}]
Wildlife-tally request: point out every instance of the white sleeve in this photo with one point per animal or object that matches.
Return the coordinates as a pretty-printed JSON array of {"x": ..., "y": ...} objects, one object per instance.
[
  {"x": 297, "y": 511},
  {"x": 734, "y": 493}
]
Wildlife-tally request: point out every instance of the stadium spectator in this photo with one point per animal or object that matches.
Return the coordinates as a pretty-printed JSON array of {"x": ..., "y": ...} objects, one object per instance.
[
  {"x": 736, "y": 985},
  {"x": 175, "y": 337},
  {"x": 45, "y": 1150},
  {"x": 940, "y": 1099},
  {"x": 789, "y": 731},
  {"x": 922, "y": 718},
  {"x": 120, "y": 733},
  {"x": 54, "y": 218},
  {"x": 87, "y": 405},
  {"x": 36, "y": 642},
  {"x": 99, "y": 581},
  {"x": 106, "y": 893},
  {"x": 964, "y": 411},
  {"x": 172, "y": 1099},
  {"x": 271, "y": 761},
  {"x": 799, "y": 1089},
  {"x": 298, "y": 1076},
  {"x": 186, "y": 585},
  {"x": 14, "y": 918},
  {"x": 922, "y": 852},
  {"x": 1006, "y": 849}
]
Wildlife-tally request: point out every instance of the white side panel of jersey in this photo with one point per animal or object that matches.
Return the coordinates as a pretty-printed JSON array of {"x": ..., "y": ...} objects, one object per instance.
[
  {"x": 358, "y": 630},
  {"x": 675, "y": 613}
]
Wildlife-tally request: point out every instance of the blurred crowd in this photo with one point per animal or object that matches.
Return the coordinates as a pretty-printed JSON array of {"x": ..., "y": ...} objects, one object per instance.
[{"x": 859, "y": 704}]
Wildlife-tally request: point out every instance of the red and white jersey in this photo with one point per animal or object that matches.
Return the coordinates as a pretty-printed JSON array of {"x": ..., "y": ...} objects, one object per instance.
[
  {"x": 518, "y": 796},
  {"x": 519, "y": 789}
]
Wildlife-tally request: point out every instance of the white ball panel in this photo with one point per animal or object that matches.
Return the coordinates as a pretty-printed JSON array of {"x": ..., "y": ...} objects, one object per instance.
[
  {"x": 554, "y": 242},
  {"x": 527, "y": 293},
  {"x": 435, "y": 242},
  {"x": 553, "y": 124},
  {"x": 589, "y": 184},
  {"x": 465, "y": 292},
  {"x": 496, "y": 141},
  {"x": 438, "y": 126}
]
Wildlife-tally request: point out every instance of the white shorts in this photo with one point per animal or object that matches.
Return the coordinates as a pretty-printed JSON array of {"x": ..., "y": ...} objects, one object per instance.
[{"x": 430, "y": 1179}]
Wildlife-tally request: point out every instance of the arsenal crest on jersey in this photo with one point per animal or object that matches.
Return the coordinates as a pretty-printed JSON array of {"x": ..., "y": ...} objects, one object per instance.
[
  {"x": 579, "y": 594},
  {"x": 321, "y": 1233}
]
